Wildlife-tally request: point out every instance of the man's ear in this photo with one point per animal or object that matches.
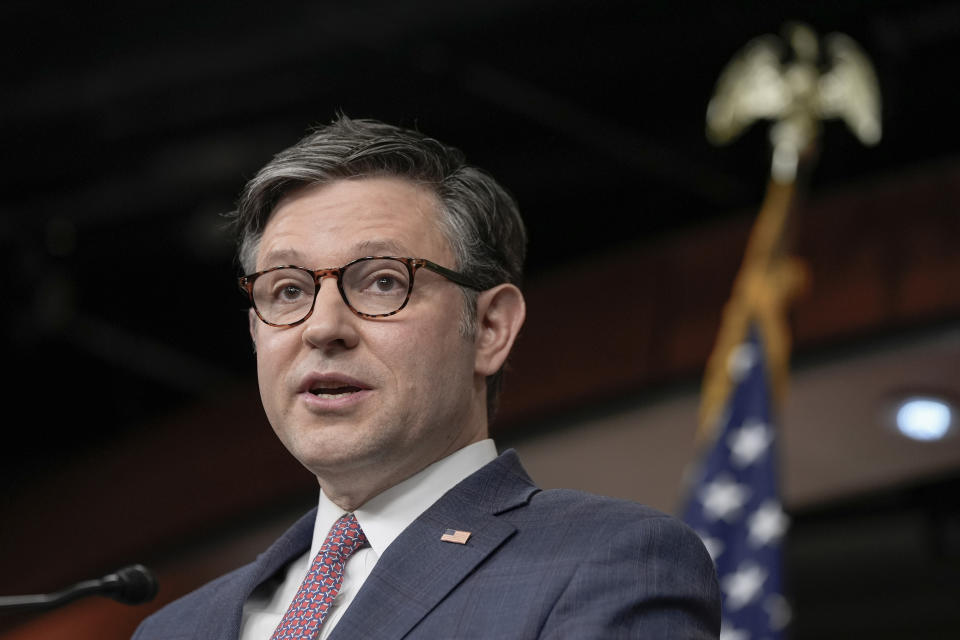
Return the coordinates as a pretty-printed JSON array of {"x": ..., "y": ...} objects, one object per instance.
[
  {"x": 252, "y": 323},
  {"x": 500, "y": 314}
]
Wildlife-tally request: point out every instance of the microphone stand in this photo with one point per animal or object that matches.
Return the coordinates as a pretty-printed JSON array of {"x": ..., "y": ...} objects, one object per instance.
[{"x": 135, "y": 584}]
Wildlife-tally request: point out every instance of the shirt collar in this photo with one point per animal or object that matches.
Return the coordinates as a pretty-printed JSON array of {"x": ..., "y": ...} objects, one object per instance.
[{"x": 386, "y": 515}]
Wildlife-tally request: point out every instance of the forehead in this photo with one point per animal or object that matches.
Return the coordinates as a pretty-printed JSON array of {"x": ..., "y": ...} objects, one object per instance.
[{"x": 331, "y": 224}]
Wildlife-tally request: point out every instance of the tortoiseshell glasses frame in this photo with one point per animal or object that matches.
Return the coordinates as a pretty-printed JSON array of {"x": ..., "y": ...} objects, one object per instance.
[{"x": 379, "y": 286}]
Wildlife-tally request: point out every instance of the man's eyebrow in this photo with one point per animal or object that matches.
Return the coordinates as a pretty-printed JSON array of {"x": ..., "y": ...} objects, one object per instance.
[
  {"x": 286, "y": 255},
  {"x": 379, "y": 247},
  {"x": 277, "y": 257}
]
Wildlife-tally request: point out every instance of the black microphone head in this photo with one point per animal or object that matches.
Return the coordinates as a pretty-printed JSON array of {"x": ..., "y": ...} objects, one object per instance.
[{"x": 133, "y": 585}]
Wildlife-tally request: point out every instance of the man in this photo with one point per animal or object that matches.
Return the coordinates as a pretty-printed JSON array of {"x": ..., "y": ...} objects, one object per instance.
[{"x": 383, "y": 274}]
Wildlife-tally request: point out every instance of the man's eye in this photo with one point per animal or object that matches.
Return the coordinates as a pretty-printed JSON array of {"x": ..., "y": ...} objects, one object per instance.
[
  {"x": 287, "y": 293},
  {"x": 383, "y": 283},
  {"x": 386, "y": 283}
]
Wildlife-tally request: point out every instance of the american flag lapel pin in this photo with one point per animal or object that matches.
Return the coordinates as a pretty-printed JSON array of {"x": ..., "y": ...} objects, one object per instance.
[{"x": 455, "y": 536}]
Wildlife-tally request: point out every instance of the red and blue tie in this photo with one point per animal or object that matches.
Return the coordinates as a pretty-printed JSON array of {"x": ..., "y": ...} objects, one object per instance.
[{"x": 310, "y": 606}]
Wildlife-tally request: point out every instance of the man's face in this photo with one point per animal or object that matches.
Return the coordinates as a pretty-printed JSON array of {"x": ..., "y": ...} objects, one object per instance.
[{"x": 386, "y": 396}]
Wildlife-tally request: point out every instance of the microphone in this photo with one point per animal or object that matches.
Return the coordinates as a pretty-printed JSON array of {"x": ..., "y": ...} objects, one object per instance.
[
  {"x": 135, "y": 584},
  {"x": 130, "y": 585}
]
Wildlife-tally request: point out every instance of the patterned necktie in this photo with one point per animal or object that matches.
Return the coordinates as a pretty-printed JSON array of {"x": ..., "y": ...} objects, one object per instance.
[{"x": 309, "y": 607}]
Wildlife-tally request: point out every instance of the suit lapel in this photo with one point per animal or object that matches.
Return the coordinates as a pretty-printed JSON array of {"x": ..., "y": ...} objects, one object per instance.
[
  {"x": 226, "y": 609},
  {"x": 419, "y": 569}
]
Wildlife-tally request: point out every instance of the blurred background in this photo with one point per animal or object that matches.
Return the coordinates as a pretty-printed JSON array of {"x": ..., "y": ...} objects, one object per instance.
[{"x": 134, "y": 431}]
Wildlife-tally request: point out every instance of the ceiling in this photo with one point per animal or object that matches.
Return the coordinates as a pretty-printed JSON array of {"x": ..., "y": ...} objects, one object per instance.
[{"x": 128, "y": 128}]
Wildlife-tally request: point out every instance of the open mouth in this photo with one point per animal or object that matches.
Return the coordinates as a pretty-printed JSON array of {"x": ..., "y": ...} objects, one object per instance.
[{"x": 333, "y": 392}]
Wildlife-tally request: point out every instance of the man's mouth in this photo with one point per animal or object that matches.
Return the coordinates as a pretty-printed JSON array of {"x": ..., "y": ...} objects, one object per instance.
[
  {"x": 332, "y": 386},
  {"x": 333, "y": 391}
]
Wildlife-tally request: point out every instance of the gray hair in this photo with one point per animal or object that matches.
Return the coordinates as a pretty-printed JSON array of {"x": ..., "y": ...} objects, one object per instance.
[{"x": 478, "y": 217}]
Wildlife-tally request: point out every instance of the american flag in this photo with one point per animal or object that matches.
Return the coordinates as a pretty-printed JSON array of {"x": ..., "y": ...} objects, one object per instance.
[
  {"x": 455, "y": 535},
  {"x": 734, "y": 503}
]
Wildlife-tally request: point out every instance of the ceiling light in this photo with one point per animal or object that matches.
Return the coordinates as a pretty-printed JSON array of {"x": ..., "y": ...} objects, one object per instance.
[{"x": 924, "y": 418}]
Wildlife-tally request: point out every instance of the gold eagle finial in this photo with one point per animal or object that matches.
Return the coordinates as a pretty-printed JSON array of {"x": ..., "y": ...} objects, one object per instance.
[{"x": 762, "y": 82}]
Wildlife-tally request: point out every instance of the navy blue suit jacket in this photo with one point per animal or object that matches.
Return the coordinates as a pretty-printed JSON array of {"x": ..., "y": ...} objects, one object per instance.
[{"x": 539, "y": 564}]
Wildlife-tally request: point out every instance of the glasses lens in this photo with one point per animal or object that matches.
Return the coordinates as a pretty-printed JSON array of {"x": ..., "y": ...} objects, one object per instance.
[
  {"x": 377, "y": 286},
  {"x": 283, "y": 296}
]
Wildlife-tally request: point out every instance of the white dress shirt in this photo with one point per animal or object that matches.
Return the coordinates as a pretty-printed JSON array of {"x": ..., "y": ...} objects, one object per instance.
[{"x": 382, "y": 519}]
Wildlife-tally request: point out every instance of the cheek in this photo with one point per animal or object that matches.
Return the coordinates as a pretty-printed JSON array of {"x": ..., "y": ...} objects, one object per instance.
[
  {"x": 438, "y": 364},
  {"x": 420, "y": 361},
  {"x": 266, "y": 381},
  {"x": 273, "y": 355}
]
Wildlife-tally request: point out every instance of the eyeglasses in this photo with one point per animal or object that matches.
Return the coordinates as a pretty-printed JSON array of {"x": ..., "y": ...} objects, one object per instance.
[{"x": 372, "y": 287}]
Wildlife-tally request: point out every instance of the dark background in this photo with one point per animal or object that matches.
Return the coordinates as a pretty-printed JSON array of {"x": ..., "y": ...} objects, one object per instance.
[{"x": 127, "y": 128}]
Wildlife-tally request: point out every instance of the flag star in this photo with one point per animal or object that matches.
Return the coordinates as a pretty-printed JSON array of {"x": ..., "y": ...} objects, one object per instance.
[
  {"x": 723, "y": 498},
  {"x": 729, "y": 633},
  {"x": 779, "y": 611},
  {"x": 743, "y": 585},
  {"x": 767, "y": 524},
  {"x": 749, "y": 442},
  {"x": 742, "y": 358},
  {"x": 714, "y": 546}
]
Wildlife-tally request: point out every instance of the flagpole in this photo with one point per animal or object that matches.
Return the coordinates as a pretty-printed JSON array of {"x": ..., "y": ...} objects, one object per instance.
[
  {"x": 796, "y": 96},
  {"x": 734, "y": 503},
  {"x": 768, "y": 280}
]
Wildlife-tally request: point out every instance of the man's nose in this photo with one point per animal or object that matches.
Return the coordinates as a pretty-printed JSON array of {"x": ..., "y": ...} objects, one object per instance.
[{"x": 332, "y": 323}]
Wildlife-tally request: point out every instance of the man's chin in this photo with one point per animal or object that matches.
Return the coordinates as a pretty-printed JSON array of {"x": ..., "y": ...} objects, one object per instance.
[{"x": 335, "y": 456}]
